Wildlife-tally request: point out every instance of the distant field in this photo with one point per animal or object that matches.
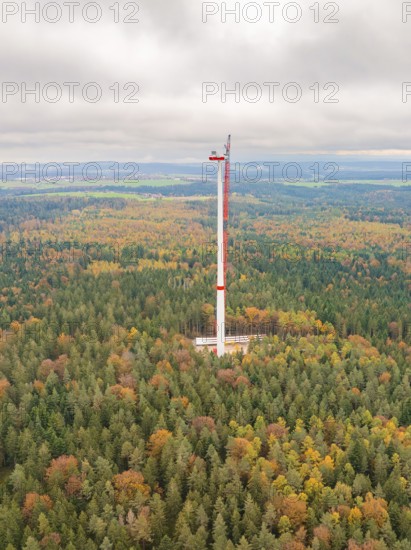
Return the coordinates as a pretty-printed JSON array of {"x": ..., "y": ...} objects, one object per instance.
[
  {"x": 151, "y": 183},
  {"x": 102, "y": 183},
  {"x": 114, "y": 195},
  {"x": 395, "y": 183},
  {"x": 97, "y": 195},
  {"x": 176, "y": 188},
  {"x": 312, "y": 184}
]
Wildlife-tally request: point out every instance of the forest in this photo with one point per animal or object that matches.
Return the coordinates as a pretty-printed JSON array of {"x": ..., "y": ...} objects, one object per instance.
[{"x": 117, "y": 433}]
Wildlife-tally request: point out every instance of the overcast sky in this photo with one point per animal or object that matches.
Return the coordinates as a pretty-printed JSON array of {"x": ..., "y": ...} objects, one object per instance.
[{"x": 171, "y": 52}]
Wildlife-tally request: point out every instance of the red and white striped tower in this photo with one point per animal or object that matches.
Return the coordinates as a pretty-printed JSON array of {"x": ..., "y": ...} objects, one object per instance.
[{"x": 222, "y": 241}]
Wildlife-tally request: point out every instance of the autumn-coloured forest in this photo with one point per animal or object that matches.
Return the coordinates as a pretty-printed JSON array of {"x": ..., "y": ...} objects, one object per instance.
[{"x": 116, "y": 433}]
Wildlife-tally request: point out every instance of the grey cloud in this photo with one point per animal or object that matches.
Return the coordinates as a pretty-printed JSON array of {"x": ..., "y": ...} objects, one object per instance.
[{"x": 170, "y": 53}]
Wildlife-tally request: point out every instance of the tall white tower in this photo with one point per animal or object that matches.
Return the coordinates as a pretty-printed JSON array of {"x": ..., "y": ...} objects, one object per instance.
[{"x": 222, "y": 241}]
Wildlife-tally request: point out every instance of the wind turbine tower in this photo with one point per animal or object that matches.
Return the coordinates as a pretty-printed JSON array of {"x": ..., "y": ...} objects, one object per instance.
[{"x": 223, "y": 191}]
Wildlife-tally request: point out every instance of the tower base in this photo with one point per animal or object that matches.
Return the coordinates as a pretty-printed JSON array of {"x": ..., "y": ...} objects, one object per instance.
[{"x": 232, "y": 343}]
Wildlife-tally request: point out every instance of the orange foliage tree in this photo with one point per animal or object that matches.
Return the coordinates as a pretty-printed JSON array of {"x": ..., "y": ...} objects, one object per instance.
[
  {"x": 376, "y": 509},
  {"x": 61, "y": 469},
  {"x": 128, "y": 485},
  {"x": 32, "y": 500},
  {"x": 159, "y": 382},
  {"x": 4, "y": 385},
  {"x": 123, "y": 393},
  {"x": 295, "y": 509},
  {"x": 157, "y": 441},
  {"x": 201, "y": 422}
]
